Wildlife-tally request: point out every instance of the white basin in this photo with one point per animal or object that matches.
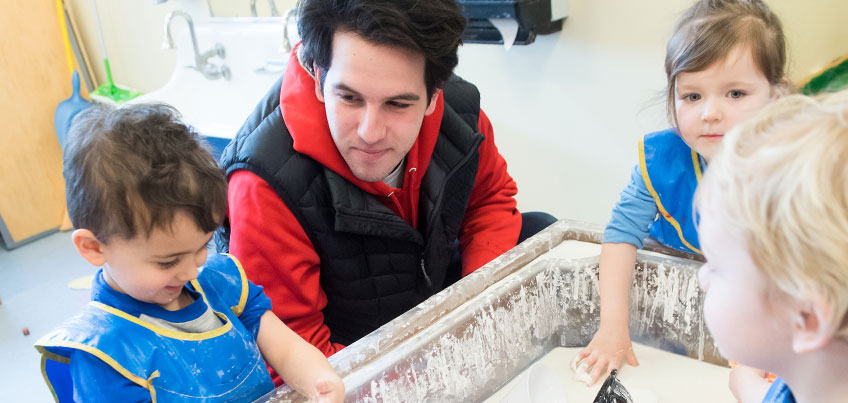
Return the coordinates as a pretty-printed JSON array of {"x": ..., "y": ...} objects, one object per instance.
[{"x": 217, "y": 108}]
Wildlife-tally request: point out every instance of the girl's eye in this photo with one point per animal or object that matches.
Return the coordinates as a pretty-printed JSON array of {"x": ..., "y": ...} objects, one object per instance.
[
  {"x": 692, "y": 97},
  {"x": 736, "y": 94},
  {"x": 169, "y": 264}
]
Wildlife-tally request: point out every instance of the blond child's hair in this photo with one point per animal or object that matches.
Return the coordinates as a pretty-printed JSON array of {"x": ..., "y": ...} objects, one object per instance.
[{"x": 781, "y": 179}]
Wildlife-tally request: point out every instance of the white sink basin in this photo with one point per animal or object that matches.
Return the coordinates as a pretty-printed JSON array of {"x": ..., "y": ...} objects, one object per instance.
[{"x": 217, "y": 108}]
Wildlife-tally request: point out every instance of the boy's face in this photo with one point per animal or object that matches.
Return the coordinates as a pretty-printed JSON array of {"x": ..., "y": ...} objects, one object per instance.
[
  {"x": 743, "y": 315},
  {"x": 710, "y": 102},
  {"x": 156, "y": 268},
  {"x": 375, "y": 98}
]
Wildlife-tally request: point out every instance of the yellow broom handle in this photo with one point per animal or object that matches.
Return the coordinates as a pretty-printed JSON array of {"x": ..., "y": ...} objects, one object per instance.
[{"x": 67, "y": 41}]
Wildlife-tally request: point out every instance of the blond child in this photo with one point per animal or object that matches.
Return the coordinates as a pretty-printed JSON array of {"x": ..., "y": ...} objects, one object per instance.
[
  {"x": 167, "y": 321},
  {"x": 774, "y": 227},
  {"x": 724, "y": 61}
]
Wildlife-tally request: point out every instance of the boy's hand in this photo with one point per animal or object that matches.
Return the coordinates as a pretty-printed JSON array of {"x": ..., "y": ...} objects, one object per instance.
[
  {"x": 748, "y": 384},
  {"x": 329, "y": 389},
  {"x": 606, "y": 352}
]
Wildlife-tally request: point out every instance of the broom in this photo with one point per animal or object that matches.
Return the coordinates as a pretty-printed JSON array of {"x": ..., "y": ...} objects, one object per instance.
[{"x": 108, "y": 89}]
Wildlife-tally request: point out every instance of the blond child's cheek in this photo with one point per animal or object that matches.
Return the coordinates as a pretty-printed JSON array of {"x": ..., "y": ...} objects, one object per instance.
[{"x": 703, "y": 278}]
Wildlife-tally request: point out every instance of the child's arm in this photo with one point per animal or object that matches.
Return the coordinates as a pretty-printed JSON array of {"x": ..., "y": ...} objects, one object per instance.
[
  {"x": 299, "y": 363},
  {"x": 628, "y": 226},
  {"x": 611, "y": 344},
  {"x": 748, "y": 385}
]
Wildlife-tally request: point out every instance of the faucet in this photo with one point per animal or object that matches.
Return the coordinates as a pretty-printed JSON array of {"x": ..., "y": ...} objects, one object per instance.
[
  {"x": 271, "y": 4},
  {"x": 201, "y": 60}
]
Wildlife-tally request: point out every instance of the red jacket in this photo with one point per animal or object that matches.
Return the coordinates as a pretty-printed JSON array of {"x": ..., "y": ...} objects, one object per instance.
[{"x": 276, "y": 252}]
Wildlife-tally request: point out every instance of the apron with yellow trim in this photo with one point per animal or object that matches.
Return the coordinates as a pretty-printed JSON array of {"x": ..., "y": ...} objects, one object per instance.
[
  {"x": 219, "y": 365},
  {"x": 671, "y": 171}
]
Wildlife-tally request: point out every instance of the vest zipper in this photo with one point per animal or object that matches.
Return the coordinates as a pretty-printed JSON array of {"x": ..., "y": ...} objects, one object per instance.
[{"x": 424, "y": 271}]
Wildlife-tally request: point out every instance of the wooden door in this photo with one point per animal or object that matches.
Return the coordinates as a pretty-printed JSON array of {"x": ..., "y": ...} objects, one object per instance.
[{"x": 34, "y": 78}]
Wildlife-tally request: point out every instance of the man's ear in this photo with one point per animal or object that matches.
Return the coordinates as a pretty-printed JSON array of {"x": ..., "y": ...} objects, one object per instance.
[
  {"x": 319, "y": 93},
  {"x": 89, "y": 247},
  {"x": 813, "y": 325},
  {"x": 431, "y": 107}
]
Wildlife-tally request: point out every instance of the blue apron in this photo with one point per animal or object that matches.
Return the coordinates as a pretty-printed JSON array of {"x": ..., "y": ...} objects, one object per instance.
[
  {"x": 671, "y": 171},
  {"x": 219, "y": 365}
]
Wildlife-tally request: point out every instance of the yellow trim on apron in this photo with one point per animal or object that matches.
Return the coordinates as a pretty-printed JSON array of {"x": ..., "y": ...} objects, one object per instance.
[
  {"x": 166, "y": 332},
  {"x": 144, "y": 383},
  {"x": 697, "y": 164},
  {"x": 643, "y": 166},
  {"x": 238, "y": 309},
  {"x": 46, "y": 378}
]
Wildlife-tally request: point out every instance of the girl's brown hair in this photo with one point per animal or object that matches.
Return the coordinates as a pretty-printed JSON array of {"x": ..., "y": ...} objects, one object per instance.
[{"x": 710, "y": 29}]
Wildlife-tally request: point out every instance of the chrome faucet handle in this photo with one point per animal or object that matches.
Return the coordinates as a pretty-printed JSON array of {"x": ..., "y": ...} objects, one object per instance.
[
  {"x": 213, "y": 71},
  {"x": 217, "y": 51}
]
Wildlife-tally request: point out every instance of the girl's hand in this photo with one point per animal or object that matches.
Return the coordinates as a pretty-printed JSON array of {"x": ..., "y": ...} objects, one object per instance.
[
  {"x": 607, "y": 351},
  {"x": 329, "y": 389},
  {"x": 748, "y": 384}
]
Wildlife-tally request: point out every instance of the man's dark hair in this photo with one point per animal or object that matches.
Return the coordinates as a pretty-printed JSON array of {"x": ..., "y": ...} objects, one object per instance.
[
  {"x": 129, "y": 170},
  {"x": 430, "y": 27}
]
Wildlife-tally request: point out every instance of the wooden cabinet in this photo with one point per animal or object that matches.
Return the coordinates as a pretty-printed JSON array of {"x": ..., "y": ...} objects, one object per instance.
[{"x": 33, "y": 80}]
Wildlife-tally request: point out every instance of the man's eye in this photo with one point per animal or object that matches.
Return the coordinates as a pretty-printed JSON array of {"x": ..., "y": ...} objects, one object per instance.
[
  {"x": 736, "y": 94},
  {"x": 399, "y": 105},
  {"x": 347, "y": 98}
]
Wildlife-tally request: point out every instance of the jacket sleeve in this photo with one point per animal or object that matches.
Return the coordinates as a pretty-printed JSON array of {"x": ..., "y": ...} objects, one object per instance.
[
  {"x": 634, "y": 213},
  {"x": 492, "y": 223},
  {"x": 276, "y": 254}
]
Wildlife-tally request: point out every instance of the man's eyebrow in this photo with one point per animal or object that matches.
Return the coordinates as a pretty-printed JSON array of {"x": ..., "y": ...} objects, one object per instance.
[
  {"x": 407, "y": 96},
  {"x": 343, "y": 87}
]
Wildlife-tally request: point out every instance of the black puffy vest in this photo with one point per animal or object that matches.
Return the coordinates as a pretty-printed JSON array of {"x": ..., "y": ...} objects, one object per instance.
[{"x": 374, "y": 266}]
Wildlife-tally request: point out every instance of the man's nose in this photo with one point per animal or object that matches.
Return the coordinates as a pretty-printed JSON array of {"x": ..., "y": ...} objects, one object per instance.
[{"x": 371, "y": 128}]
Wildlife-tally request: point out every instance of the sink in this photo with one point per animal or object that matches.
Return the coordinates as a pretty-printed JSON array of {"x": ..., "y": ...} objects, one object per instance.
[
  {"x": 474, "y": 337},
  {"x": 217, "y": 108}
]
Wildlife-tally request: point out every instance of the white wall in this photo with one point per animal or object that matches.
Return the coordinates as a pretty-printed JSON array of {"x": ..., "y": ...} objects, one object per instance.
[{"x": 567, "y": 110}]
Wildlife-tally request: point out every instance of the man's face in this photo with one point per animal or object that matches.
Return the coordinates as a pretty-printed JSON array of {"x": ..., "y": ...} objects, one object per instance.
[{"x": 376, "y": 99}]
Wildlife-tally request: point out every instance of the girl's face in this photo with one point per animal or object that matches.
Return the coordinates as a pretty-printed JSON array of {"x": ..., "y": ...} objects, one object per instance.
[{"x": 710, "y": 102}]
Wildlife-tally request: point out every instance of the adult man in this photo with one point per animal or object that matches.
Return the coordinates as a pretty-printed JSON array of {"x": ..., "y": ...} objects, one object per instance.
[{"x": 350, "y": 187}]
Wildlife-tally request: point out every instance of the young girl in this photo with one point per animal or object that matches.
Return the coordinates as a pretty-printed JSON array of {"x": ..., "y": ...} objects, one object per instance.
[{"x": 724, "y": 62}]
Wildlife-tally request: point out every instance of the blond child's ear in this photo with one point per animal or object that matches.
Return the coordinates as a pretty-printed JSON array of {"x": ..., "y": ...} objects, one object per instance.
[
  {"x": 89, "y": 247},
  {"x": 813, "y": 325},
  {"x": 781, "y": 89}
]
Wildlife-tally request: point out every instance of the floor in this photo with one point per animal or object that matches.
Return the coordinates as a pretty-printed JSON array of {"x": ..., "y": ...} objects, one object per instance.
[{"x": 35, "y": 295}]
